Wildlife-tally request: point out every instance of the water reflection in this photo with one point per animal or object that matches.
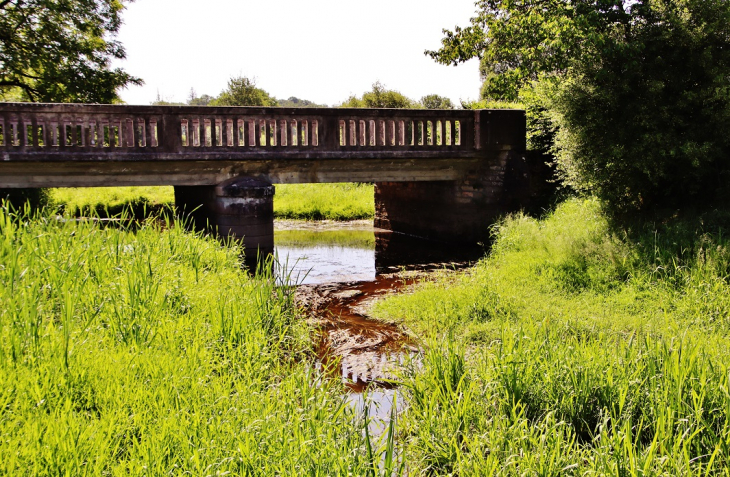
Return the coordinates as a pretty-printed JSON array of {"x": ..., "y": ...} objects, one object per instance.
[{"x": 328, "y": 252}]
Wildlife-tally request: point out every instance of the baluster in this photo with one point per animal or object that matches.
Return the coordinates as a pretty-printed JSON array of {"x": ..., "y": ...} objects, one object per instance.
[
  {"x": 149, "y": 133},
  {"x": 314, "y": 130},
  {"x": 291, "y": 128}
]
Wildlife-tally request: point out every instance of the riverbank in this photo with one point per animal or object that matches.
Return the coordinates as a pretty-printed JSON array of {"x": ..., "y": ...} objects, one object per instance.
[
  {"x": 571, "y": 350},
  {"x": 150, "y": 352}
]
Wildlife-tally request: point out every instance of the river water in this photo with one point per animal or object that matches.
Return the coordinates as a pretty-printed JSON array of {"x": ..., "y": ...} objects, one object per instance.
[{"x": 340, "y": 269}]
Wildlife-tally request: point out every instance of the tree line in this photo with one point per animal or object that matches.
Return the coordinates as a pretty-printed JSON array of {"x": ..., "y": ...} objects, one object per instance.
[{"x": 243, "y": 91}]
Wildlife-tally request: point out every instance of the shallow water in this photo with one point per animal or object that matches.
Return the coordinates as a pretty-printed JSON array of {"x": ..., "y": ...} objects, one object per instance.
[
  {"x": 340, "y": 269},
  {"x": 329, "y": 253}
]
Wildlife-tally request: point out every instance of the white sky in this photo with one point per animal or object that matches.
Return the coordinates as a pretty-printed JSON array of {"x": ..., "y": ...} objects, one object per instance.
[{"x": 320, "y": 50}]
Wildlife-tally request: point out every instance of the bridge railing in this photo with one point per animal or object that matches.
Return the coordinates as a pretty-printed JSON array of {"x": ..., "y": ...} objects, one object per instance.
[{"x": 108, "y": 130}]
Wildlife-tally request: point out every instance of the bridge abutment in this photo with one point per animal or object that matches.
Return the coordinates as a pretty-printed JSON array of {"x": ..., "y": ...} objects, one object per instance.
[
  {"x": 455, "y": 211},
  {"x": 240, "y": 208}
]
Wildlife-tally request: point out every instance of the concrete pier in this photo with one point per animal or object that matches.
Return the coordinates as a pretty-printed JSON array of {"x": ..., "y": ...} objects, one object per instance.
[{"x": 239, "y": 208}]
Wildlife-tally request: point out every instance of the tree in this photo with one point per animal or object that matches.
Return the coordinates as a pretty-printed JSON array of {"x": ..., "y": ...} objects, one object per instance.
[
  {"x": 379, "y": 97},
  {"x": 637, "y": 91},
  {"x": 61, "y": 50},
  {"x": 434, "y": 101},
  {"x": 294, "y": 102},
  {"x": 242, "y": 91},
  {"x": 195, "y": 100}
]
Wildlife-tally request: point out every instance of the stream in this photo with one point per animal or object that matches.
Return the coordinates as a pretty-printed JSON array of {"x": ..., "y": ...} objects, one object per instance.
[{"x": 341, "y": 268}]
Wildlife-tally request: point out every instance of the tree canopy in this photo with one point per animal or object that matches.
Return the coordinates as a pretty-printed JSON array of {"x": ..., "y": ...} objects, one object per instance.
[
  {"x": 242, "y": 91},
  {"x": 379, "y": 97},
  {"x": 61, "y": 50},
  {"x": 638, "y": 91}
]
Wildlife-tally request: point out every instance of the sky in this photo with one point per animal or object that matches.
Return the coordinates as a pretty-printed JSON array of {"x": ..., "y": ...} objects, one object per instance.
[{"x": 320, "y": 50}]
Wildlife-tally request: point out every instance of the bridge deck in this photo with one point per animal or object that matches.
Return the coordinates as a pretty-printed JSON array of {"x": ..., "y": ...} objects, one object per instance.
[{"x": 58, "y": 145}]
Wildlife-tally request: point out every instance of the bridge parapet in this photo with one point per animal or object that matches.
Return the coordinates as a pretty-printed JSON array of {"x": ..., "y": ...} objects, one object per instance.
[{"x": 67, "y": 132}]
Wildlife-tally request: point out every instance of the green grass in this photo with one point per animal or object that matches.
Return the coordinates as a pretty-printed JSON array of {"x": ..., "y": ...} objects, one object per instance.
[
  {"x": 346, "y": 201},
  {"x": 352, "y": 238},
  {"x": 149, "y": 352},
  {"x": 111, "y": 201},
  {"x": 572, "y": 351}
]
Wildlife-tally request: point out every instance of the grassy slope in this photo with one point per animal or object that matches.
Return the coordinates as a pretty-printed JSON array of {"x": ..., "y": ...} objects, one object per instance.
[
  {"x": 292, "y": 201},
  {"x": 569, "y": 351},
  {"x": 150, "y": 353}
]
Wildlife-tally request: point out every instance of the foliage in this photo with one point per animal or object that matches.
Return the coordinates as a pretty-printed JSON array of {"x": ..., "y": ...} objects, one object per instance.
[
  {"x": 294, "y": 102},
  {"x": 379, "y": 97},
  {"x": 573, "y": 351},
  {"x": 517, "y": 41},
  {"x": 637, "y": 92},
  {"x": 195, "y": 100},
  {"x": 641, "y": 123},
  {"x": 242, "y": 91},
  {"x": 150, "y": 352},
  {"x": 434, "y": 101},
  {"x": 345, "y": 201},
  {"x": 61, "y": 51}
]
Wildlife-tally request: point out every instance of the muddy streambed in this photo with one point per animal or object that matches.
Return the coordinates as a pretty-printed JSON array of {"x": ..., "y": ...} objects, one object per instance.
[{"x": 341, "y": 269}]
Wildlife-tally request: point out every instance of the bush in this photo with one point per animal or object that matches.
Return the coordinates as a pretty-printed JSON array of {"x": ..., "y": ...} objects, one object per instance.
[{"x": 643, "y": 121}]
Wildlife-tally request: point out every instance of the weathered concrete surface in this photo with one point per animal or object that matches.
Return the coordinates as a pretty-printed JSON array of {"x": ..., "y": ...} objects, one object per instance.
[
  {"x": 455, "y": 211},
  {"x": 75, "y": 145},
  {"x": 240, "y": 209},
  {"x": 441, "y": 174}
]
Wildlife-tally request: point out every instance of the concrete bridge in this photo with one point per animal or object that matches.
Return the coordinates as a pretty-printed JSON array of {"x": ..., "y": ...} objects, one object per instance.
[{"x": 440, "y": 174}]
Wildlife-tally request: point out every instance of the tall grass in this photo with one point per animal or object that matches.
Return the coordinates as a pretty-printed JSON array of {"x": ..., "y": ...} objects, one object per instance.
[
  {"x": 150, "y": 352},
  {"x": 570, "y": 350},
  {"x": 341, "y": 201}
]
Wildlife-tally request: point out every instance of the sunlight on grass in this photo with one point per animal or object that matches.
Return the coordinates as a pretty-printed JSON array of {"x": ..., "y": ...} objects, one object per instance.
[
  {"x": 342, "y": 201},
  {"x": 572, "y": 351}
]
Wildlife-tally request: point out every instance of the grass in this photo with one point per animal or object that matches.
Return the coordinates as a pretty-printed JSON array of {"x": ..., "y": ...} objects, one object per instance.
[
  {"x": 150, "y": 352},
  {"x": 573, "y": 351},
  {"x": 345, "y": 201},
  {"x": 569, "y": 350},
  {"x": 351, "y": 238},
  {"x": 111, "y": 201}
]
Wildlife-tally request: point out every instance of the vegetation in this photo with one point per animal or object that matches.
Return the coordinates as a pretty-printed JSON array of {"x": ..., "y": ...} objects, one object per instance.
[
  {"x": 294, "y": 102},
  {"x": 139, "y": 202},
  {"x": 636, "y": 90},
  {"x": 573, "y": 351},
  {"x": 381, "y": 97},
  {"x": 152, "y": 353},
  {"x": 242, "y": 91},
  {"x": 59, "y": 51},
  {"x": 347, "y": 237},
  {"x": 55, "y": 51},
  {"x": 346, "y": 201}
]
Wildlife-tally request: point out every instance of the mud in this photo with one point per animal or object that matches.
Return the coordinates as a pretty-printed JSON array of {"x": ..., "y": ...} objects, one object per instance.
[{"x": 352, "y": 345}]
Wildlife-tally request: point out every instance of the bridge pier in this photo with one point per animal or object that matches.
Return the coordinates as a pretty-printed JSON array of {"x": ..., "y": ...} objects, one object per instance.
[
  {"x": 455, "y": 211},
  {"x": 241, "y": 208}
]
